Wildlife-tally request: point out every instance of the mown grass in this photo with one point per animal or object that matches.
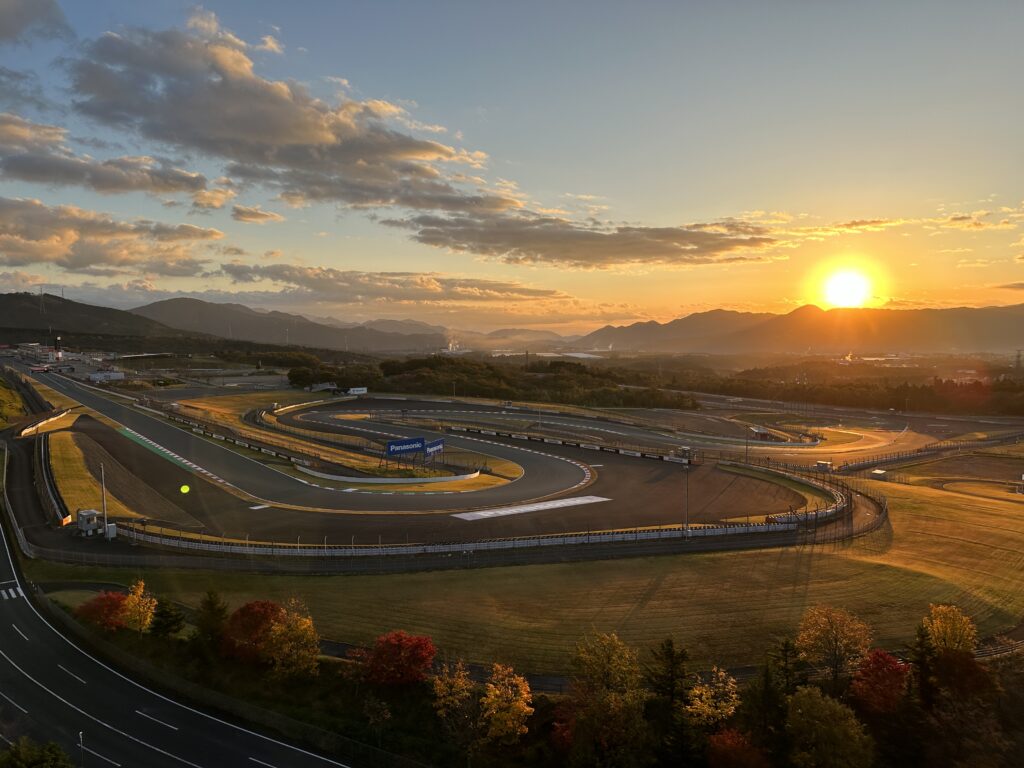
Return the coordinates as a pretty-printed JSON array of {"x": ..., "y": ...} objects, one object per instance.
[
  {"x": 725, "y": 607},
  {"x": 236, "y": 405},
  {"x": 11, "y": 408},
  {"x": 77, "y": 485}
]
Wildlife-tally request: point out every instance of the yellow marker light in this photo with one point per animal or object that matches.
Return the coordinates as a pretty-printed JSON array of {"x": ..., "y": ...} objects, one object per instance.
[{"x": 185, "y": 489}]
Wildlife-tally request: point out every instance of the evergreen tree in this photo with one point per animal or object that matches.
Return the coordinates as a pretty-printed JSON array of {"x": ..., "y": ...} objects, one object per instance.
[{"x": 168, "y": 620}]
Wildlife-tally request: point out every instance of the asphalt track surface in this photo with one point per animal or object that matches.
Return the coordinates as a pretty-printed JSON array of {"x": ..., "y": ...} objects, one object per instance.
[
  {"x": 639, "y": 492},
  {"x": 51, "y": 690}
]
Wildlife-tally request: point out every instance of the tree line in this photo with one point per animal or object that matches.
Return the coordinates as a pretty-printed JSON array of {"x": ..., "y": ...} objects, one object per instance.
[
  {"x": 825, "y": 697},
  {"x": 545, "y": 381}
]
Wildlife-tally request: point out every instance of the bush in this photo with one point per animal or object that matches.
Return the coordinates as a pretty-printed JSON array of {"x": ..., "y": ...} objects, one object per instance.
[
  {"x": 105, "y": 611},
  {"x": 399, "y": 659}
]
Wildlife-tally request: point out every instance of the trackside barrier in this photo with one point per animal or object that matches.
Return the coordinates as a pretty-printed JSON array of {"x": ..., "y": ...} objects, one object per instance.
[
  {"x": 52, "y": 501},
  {"x": 47, "y": 420},
  {"x": 941, "y": 448},
  {"x": 131, "y": 532},
  {"x": 573, "y": 444},
  {"x": 840, "y": 501},
  {"x": 387, "y": 480}
]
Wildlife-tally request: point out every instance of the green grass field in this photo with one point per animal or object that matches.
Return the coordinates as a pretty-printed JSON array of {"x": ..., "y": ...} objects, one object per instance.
[
  {"x": 725, "y": 607},
  {"x": 10, "y": 405}
]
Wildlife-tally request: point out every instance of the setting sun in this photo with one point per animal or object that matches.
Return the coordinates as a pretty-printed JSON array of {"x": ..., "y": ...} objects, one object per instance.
[{"x": 847, "y": 289}]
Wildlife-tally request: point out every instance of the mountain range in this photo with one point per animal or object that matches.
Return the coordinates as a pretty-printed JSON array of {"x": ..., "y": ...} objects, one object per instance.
[
  {"x": 806, "y": 330},
  {"x": 812, "y": 330}
]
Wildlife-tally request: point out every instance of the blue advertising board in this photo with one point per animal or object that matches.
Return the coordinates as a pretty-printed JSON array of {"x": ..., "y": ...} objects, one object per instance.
[
  {"x": 408, "y": 445},
  {"x": 435, "y": 446}
]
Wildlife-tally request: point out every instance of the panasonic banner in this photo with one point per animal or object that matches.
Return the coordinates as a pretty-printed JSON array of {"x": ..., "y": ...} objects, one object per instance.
[
  {"x": 402, "y": 447},
  {"x": 435, "y": 446}
]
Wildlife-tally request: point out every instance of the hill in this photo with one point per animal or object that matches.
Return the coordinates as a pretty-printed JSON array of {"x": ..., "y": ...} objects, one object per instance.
[
  {"x": 47, "y": 312},
  {"x": 810, "y": 329},
  {"x": 235, "y": 321}
]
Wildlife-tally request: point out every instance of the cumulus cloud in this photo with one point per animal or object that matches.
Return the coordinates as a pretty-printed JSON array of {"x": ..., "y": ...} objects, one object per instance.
[
  {"x": 21, "y": 19},
  {"x": 18, "y": 89},
  {"x": 36, "y": 152},
  {"x": 976, "y": 220},
  {"x": 254, "y": 214},
  {"x": 87, "y": 242},
  {"x": 197, "y": 89}
]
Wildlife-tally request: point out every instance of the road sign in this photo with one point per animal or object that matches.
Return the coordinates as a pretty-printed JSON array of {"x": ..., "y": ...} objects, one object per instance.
[
  {"x": 435, "y": 446},
  {"x": 408, "y": 445}
]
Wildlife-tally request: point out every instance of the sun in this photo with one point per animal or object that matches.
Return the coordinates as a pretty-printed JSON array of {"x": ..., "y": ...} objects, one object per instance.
[{"x": 848, "y": 288}]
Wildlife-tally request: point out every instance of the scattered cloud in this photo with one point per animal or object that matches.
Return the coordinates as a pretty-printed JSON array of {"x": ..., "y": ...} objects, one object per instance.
[
  {"x": 271, "y": 44},
  {"x": 87, "y": 242},
  {"x": 1012, "y": 286},
  {"x": 23, "y": 19},
  {"x": 254, "y": 214}
]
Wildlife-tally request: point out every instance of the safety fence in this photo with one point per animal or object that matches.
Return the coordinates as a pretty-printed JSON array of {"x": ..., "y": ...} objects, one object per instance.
[{"x": 931, "y": 450}]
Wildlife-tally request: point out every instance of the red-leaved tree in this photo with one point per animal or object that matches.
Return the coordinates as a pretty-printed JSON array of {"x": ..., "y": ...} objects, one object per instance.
[
  {"x": 248, "y": 629},
  {"x": 105, "y": 611},
  {"x": 399, "y": 658},
  {"x": 880, "y": 682},
  {"x": 730, "y": 748}
]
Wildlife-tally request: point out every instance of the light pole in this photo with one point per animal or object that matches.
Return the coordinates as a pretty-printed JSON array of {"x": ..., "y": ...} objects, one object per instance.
[{"x": 686, "y": 499}]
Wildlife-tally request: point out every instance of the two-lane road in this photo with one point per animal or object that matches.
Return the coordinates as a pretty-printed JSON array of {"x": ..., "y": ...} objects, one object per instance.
[{"x": 52, "y": 690}]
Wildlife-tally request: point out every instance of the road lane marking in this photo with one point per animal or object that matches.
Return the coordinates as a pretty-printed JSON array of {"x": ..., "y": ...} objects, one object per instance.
[
  {"x": 161, "y": 722},
  {"x": 260, "y": 762},
  {"x": 519, "y": 509},
  {"x": 95, "y": 719},
  {"x": 20, "y": 592},
  {"x": 13, "y": 703},
  {"x": 61, "y": 666},
  {"x": 23, "y": 636},
  {"x": 260, "y": 506},
  {"x": 101, "y": 757}
]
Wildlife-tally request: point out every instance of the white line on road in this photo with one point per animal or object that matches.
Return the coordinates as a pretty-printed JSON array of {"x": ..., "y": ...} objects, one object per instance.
[
  {"x": 260, "y": 762},
  {"x": 13, "y": 703},
  {"x": 521, "y": 508},
  {"x": 23, "y": 636},
  {"x": 161, "y": 722},
  {"x": 61, "y": 666},
  {"x": 101, "y": 757},
  {"x": 20, "y": 592},
  {"x": 260, "y": 506}
]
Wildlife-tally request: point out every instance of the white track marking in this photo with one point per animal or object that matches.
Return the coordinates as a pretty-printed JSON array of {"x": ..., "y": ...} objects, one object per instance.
[
  {"x": 13, "y": 703},
  {"x": 160, "y": 722},
  {"x": 537, "y": 507},
  {"x": 65, "y": 669},
  {"x": 101, "y": 757},
  {"x": 23, "y": 636}
]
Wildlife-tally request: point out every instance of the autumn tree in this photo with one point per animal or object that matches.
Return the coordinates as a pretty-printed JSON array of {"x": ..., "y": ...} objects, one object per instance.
[
  {"x": 824, "y": 733},
  {"x": 505, "y": 706},
  {"x": 210, "y": 619},
  {"x": 456, "y": 704},
  {"x": 168, "y": 620},
  {"x": 832, "y": 638},
  {"x": 138, "y": 607},
  {"x": 730, "y": 748},
  {"x": 247, "y": 631},
  {"x": 398, "y": 658},
  {"x": 880, "y": 682},
  {"x": 378, "y": 715},
  {"x": 292, "y": 645},
  {"x": 950, "y": 629},
  {"x": 713, "y": 699},
  {"x": 105, "y": 611},
  {"x": 25, "y": 753},
  {"x": 608, "y": 699}
]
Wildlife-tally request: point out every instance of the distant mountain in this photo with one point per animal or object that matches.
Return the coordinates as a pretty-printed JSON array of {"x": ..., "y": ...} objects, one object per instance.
[
  {"x": 30, "y": 311},
  {"x": 524, "y": 334},
  {"x": 810, "y": 329},
  {"x": 236, "y": 321},
  {"x": 685, "y": 334},
  {"x": 404, "y": 327}
]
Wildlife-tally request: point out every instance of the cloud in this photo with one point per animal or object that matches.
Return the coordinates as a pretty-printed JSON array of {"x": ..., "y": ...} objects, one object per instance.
[
  {"x": 254, "y": 214},
  {"x": 212, "y": 199},
  {"x": 18, "y": 89},
  {"x": 87, "y": 242},
  {"x": 196, "y": 89},
  {"x": 20, "y": 281},
  {"x": 1012, "y": 286},
  {"x": 36, "y": 152},
  {"x": 977, "y": 220},
  {"x": 21, "y": 19},
  {"x": 342, "y": 286},
  {"x": 540, "y": 239},
  {"x": 271, "y": 44}
]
